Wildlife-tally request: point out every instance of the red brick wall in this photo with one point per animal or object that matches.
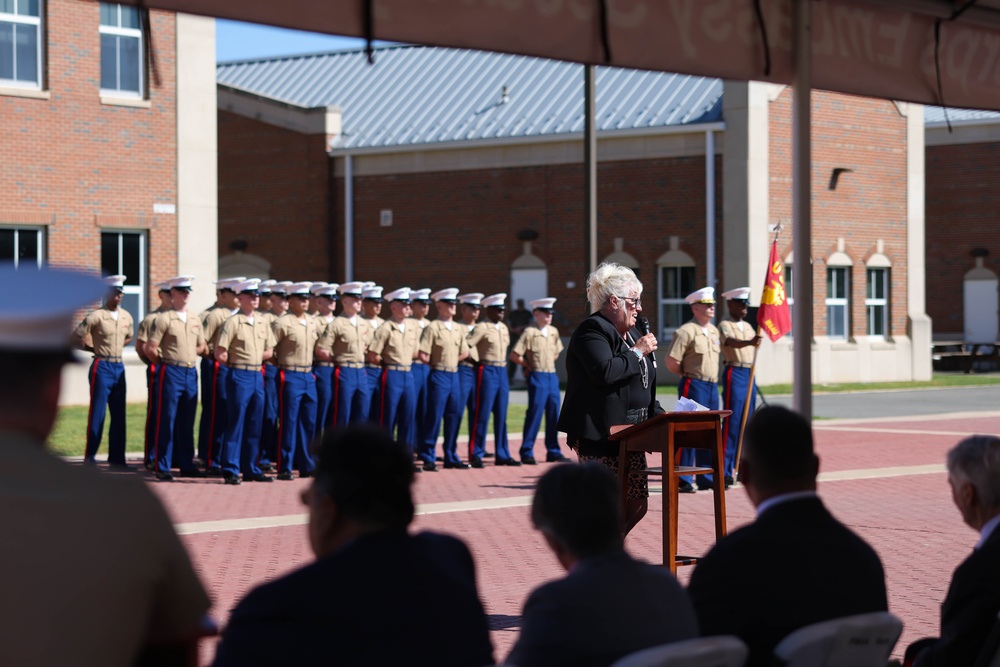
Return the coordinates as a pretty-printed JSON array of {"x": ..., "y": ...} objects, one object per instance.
[
  {"x": 272, "y": 194},
  {"x": 80, "y": 165},
  {"x": 963, "y": 213},
  {"x": 868, "y": 136}
]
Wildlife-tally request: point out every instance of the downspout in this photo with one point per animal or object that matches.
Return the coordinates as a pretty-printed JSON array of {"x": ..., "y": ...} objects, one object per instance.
[
  {"x": 348, "y": 217},
  {"x": 710, "y": 207}
]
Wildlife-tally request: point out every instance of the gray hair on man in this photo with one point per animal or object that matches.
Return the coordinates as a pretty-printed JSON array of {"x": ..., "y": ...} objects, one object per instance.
[
  {"x": 610, "y": 278},
  {"x": 976, "y": 460}
]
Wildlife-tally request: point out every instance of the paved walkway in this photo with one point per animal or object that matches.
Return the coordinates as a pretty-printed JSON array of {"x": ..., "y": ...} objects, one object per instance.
[{"x": 883, "y": 477}]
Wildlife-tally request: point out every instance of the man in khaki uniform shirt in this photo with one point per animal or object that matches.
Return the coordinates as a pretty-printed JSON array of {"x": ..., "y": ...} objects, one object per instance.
[
  {"x": 491, "y": 340},
  {"x": 296, "y": 334},
  {"x": 442, "y": 346},
  {"x": 694, "y": 355},
  {"x": 394, "y": 347},
  {"x": 175, "y": 341},
  {"x": 739, "y": 345},
  {"x": 109, "y": 330},
  {"x": 269, "y": 427},
  {"x": 537, "y": 350},
  {"x": 98, "y": 573},
  {"x": 214, "y": 376},
  {"x": 470, "y": 306},
  {"x": 420, "y": 301},
  {"x": 371, "y": 308},
  {"x": 326, "y": 303},
  {"x": 345, "y": 342},
  {"x": 244, "y": 342},
  {"x": 141, "y": 340}
]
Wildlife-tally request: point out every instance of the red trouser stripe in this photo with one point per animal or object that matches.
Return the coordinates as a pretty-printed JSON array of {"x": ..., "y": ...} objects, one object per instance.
[
  {"x": 479, "y": 399},
  {"x": 215, "y": 401},
  {"x": 159, "y": 415},
  {"x": 281, "y": 410},
  {"x": 381, "y": 410},
  {"x": 149, "y": 407},
  {"x": 728, "y": 398},
  {"x": 90, "y": 412},
  {"x": 336, "y": 397}
]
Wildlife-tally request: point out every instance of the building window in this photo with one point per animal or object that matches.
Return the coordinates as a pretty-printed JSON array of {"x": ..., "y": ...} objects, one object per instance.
[
  {"x": 21, "y": 245},
  {"x": 124, "y": 253},
  {"x": 21, "y": 43},
  {"x": 121, "y": 51},
  {"x": 676, "y": 282},
  {"x": 837, "y": 286},
  {"x": 788, "y": 294},
  {"x": 877, "y": 302}
]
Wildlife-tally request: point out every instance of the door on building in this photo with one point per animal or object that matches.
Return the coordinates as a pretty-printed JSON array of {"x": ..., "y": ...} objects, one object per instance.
[
  {"x": 527, "y": 285},
  {"x": 981, "y": 307}
]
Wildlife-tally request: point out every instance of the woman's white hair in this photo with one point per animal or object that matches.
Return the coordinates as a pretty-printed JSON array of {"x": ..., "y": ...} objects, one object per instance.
[
  {"x": 610, "y": 278},
  {"x": 976, "y": 459}
]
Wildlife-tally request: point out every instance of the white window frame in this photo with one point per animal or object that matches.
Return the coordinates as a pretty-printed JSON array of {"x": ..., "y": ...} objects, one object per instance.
[
  {"x": 841, "y": 302},
  {"x": 789, "y": 294},
  {"x": 37, "y": 22},
  {"x": 140, "y": 289},
  {"x": 125, "y": 32},
  {"x": 666, "y": 332},
  {"x": 873, "y": 303},
  {"x": 18, "y": 231}
]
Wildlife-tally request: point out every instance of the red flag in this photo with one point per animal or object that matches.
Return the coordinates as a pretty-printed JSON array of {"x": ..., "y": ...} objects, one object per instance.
[{"x": 774, "y": 316}]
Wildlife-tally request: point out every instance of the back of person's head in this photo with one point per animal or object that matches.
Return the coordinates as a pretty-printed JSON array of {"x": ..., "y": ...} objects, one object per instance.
[
  {"x": 778, "y": 452},
  {"x": 610, "y": 278},
  {"x": 368, "y": 476},
  {"x": 579, "y": 506},
  {"x": 976, "y": 460}
]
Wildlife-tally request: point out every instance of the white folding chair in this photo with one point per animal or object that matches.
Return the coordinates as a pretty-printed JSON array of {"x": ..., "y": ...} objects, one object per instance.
[
  {"x": 865, "y": 640},
  {"x": 722, "y": 651}
]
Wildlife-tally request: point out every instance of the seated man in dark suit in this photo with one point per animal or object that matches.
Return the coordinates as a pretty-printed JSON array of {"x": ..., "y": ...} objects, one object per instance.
[
  {"x": 796, "y": 564},
  {"x": 376, "y": 594},
  {"x": 970, "y": 609},
  {"x": 609, "y": 605}
]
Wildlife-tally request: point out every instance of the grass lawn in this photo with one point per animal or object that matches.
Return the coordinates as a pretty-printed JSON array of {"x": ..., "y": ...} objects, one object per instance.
[
  {"x": 68, "y": 438},
  {"x": 940, "y": 380}
]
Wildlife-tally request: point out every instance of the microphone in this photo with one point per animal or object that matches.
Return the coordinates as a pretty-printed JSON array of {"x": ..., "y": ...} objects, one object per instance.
[{"x": 642, "y": 324}]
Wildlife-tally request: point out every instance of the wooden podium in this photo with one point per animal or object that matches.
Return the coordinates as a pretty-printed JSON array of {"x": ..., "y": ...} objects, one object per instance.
[{"x": 668, "y": 433}]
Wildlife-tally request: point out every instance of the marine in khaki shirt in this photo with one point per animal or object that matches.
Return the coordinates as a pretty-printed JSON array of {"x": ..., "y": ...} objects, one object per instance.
[
  {"x": 176, "y": 338},
  {"x": 538, "y": 348},
  {"x": 345, "y": 340},
  {"x": 738, "y": 340},
  {"x": 395, "y": 343},
  {"x": 443, "y": 345},
  {"x": 110, "y": 330},
  {"x": 244, "y": 341},
  {"x": 142, "y": 331},
  {"x": 295, "y": 339},
  {"x": 697, "y": 349},
  {"x": 490, "y": 340}
]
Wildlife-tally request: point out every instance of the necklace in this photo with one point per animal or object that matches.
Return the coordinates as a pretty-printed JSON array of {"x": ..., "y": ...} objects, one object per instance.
[{"x": 643, "y": 367}]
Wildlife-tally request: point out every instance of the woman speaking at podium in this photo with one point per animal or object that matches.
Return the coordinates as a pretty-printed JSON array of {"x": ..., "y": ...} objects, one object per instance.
[{"x": 611, "y": 378}]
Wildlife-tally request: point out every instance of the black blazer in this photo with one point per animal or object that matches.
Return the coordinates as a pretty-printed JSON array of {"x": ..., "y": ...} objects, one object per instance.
[
  {"x": 606, "y": 608},
  {"x": 599, "y": 371},
  {"x": 969, "y": 610},
  {"x": 383, "y": 599},
  {"x": 794, "y": 566}
]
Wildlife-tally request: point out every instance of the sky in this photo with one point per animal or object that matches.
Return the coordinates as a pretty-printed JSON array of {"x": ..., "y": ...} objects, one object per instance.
[{"x": 240, "y": 41}]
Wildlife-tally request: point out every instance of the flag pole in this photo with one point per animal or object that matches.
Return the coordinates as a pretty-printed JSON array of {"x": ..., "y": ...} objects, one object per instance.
[{"x": 746, "y": 401}]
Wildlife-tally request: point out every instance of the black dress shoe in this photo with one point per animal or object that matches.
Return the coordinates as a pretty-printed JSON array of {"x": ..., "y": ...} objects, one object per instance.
[
  {"x": 439, "y": 459},
  {"x": 305, "y": 475},
  {"x": 121, "y": 467},
  {"x": 231, "y": 479},
  {"x": 214, "y": 471},
  {"x": 149, "y": 465},
  {"x": 430, "y": 467},
  {"x": 705, "y": 486},
  {"x": 685, "y": 487},
  {"x": 557, "y": 458},
  {"x": 529, "y": 460},
  {"x": 488, "y": 455},
  {"x": 417, "y": 468},
  {"x": 457, "y": 466},
  {"x": 285, "y": 475},
  {"x": 164, "y": 476},
  {"x": 508, "y": 462},
  {"x": 259, "y": 477},
  {"x": 729, "y": 481},
  {"x": 266, "y": 467},
  {"x": 193, "y": 472},
  {"x": 476, "y": 462}
]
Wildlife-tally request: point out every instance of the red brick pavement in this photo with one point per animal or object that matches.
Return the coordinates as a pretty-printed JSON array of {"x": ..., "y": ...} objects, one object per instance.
[{"x": 908, "y": 518}]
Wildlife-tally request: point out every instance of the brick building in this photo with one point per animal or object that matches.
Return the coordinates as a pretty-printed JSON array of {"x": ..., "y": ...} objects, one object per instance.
[
  {"x": 439, "y": 167},
  {"x": 107, "y": 147},
  {"x": 963, "y": 224}
]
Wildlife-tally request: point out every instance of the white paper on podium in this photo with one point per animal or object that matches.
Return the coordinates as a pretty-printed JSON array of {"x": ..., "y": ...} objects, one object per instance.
[{"x": 687, "y": 405}]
